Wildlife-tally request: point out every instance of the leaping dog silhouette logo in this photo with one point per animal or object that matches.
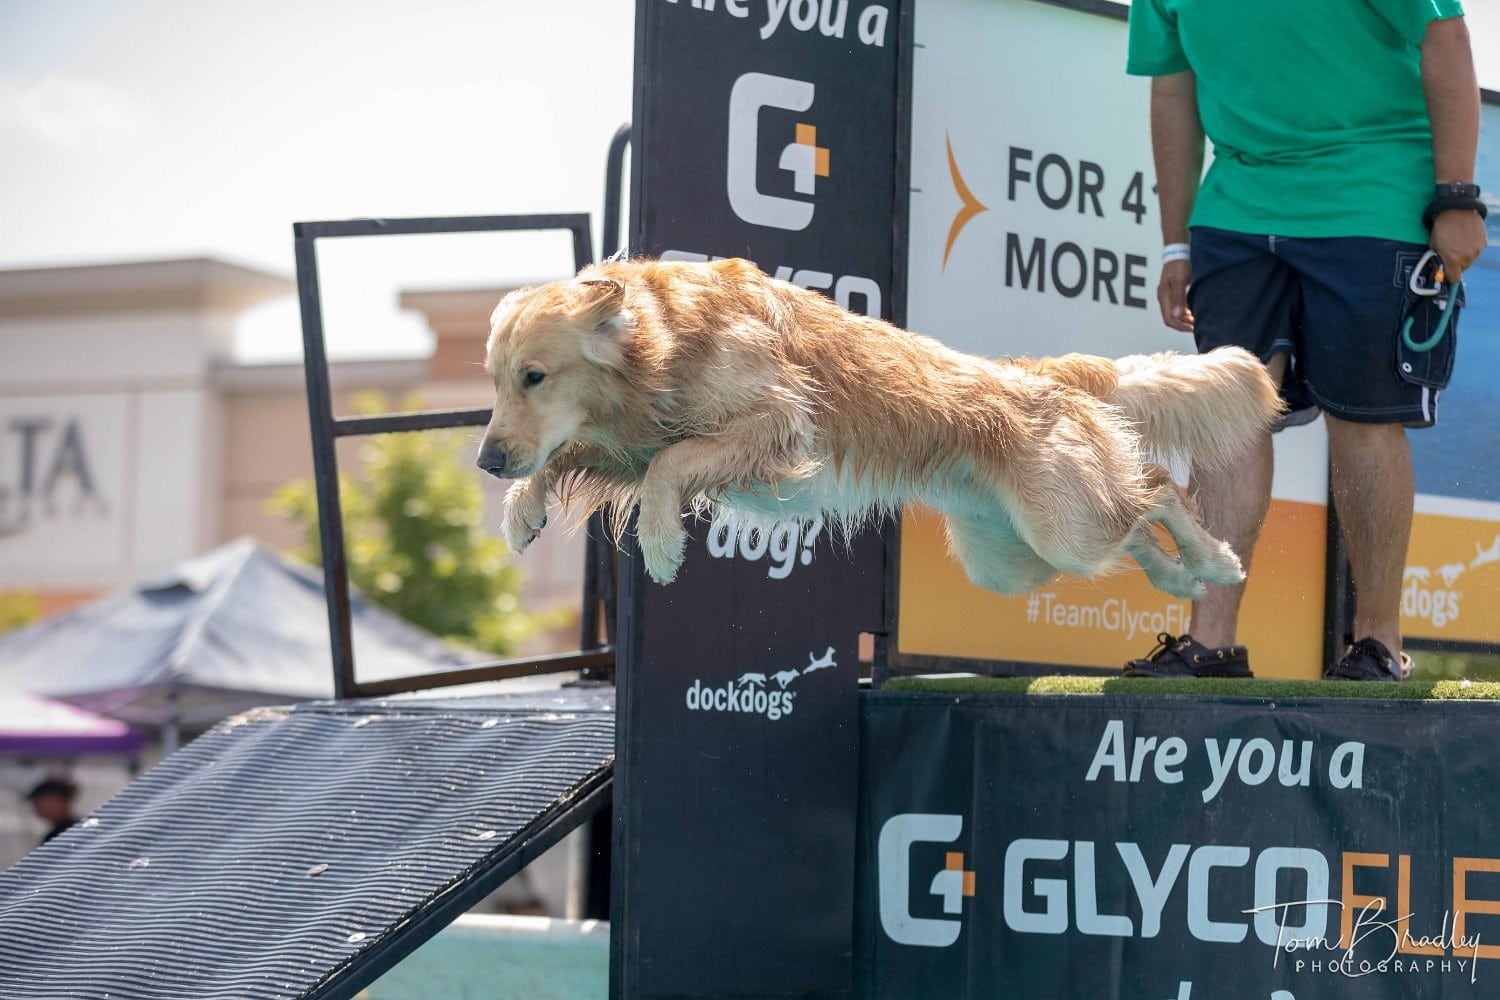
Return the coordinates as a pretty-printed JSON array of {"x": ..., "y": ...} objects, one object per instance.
[
  {"x": 821, "y": 663},
  {"x": 759, "y": 680},
  {"x": 1483, "y": 557},
  {"x": 785, "y": 677}
]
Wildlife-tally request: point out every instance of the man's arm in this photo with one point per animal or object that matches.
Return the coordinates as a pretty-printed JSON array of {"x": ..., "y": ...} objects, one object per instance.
[
  {"x": 1177, "y": 150},
  {"x": 1452, "y": 94}
]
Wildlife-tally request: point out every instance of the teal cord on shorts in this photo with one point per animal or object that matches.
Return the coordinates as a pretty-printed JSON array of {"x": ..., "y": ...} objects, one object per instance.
[{"x": 1422, "y": 347}]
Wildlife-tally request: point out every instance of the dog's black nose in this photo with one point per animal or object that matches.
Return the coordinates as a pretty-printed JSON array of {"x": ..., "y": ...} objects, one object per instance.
[{"x": 492, "y": 460}]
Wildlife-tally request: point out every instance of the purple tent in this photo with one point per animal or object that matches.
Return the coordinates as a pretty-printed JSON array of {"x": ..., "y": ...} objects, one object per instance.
[{"x": 33, "y": 726}]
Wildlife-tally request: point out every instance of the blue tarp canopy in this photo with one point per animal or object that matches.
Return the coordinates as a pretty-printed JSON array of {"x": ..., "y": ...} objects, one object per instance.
[{"x": 233, "y": 629}]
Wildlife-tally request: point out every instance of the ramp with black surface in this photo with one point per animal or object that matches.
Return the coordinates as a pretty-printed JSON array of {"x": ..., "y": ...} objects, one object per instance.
[{"x": 302, "y": 851}]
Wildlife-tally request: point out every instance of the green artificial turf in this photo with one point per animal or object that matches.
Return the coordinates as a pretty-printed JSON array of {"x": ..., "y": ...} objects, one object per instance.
[{"x": 1215, "y": 688}]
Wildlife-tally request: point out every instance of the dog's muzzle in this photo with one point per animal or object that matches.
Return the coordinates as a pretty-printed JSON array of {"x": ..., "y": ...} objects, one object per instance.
[{"x": 492, "y": 459}]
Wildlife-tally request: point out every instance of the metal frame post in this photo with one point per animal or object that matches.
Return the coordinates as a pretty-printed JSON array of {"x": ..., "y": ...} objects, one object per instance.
[{"x": 327, "y": 429}]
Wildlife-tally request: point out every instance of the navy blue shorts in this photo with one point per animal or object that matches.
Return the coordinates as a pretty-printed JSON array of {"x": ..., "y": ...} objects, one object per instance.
[{"x": 1337, "y": 308}]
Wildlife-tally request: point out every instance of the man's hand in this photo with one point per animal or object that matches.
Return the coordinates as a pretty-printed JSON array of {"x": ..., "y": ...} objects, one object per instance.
[
  {"x": 1452, "y": 97},
  {"x": 1171, "y": 293},
  {"x": 1458, "y": 237},
  {"x": 1177, "y": 152}
]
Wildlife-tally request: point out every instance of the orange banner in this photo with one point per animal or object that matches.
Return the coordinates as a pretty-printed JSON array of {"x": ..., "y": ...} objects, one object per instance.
[
  {"x": 1106, "y": 622},
  {"x": 1452, "y": 564}
]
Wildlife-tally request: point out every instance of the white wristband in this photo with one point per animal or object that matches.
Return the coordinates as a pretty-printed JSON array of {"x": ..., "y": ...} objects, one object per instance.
[{"x": 1175, "y": 251}]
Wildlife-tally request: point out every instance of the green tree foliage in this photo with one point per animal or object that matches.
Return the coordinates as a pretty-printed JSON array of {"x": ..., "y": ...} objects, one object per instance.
[
  {"x": 413, "y": 533},
  {"x": 18, "y": 608}
]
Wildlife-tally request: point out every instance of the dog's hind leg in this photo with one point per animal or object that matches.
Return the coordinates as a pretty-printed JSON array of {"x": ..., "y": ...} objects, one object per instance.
[
  {"x": 993, "y": 556},
  {"x": 1202, "y": 554},
  {"x": 1165, "y": 571}
]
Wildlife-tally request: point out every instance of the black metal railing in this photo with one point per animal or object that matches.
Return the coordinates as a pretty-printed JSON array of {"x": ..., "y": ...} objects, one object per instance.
[
  {"x": 594, "y": 658},
  {"x": 600, "y": 570}
]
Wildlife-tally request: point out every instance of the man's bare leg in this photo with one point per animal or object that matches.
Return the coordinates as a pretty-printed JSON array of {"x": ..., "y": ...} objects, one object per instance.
[
  {"x": 1233, "y": 504},
  {"x": 1373, "y": 489}
]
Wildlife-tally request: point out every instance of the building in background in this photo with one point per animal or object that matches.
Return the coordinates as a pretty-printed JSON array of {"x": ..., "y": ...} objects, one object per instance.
[{"x": 130, "y": 439}]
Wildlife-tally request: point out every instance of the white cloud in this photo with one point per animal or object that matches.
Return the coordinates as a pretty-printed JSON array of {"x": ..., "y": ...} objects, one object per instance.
[{"x": 65, "y": 111}]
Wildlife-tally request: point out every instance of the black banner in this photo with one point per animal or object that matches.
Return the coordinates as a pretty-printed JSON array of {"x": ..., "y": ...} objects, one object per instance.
[
  {"x": 767, "y": 131},
  {"x": 741, "y": 772},
  {"x": 1161, "y": 849},
  {"x": 762, "y": 130}
]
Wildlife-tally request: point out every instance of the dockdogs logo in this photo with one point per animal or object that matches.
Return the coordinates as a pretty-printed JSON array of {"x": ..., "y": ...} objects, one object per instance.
[{"x": 755, "y": 693}]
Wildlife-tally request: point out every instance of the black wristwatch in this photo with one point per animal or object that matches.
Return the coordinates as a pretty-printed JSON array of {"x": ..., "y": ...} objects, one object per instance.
[
  {"x": 1455, "y": 190},
  {"x": 1460, "y": 196}
]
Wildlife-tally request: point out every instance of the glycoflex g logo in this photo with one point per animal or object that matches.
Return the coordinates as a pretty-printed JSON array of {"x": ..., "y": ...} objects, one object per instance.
[
  {"x": 951, "y": 882},
  {"x": 803, "y": 158}
]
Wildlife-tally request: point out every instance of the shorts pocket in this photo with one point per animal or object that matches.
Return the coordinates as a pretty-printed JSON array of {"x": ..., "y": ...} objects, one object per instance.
[{"x": 1427, "y": 342}]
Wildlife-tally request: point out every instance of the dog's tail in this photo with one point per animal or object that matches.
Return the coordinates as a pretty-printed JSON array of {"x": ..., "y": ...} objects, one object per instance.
[
  {"x": 1210, "y": 407},
  {"x": 1207, "y": 407},
  {"x": 1099, "y": 377}
]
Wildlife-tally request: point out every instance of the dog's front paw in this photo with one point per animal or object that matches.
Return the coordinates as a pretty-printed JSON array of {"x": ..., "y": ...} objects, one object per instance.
[
  {"x": 663, "y": 547},
  {"x": 525, "y": 517}
]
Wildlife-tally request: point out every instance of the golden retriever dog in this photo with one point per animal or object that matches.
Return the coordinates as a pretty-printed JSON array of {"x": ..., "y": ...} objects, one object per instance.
[{"x": 673, "y": 386}]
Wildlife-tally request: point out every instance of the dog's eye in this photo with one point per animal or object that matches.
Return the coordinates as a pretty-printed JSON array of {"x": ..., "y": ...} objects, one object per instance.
[{"x": 532, "y": 378}]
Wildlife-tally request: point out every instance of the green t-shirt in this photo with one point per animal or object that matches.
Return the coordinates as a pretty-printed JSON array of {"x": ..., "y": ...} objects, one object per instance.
[{"x": 1315, "y": 109}]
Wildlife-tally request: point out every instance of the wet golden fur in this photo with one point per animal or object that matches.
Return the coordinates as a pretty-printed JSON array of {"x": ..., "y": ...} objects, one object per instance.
[{"x": 668, "y": 385}]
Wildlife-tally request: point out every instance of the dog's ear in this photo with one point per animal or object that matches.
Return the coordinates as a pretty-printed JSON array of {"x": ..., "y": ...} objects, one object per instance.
[
  {"x": 597, "y": 300},
  {"x": 601, "y": 312}
]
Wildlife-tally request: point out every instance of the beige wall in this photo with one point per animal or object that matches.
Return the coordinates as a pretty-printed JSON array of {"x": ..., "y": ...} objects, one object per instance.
[
  {"x": 266, "y": 441},
  {"x": 184, "y": 447},
  {"x": 130, "y": 440},
  {"x": 110, "y": 423}
]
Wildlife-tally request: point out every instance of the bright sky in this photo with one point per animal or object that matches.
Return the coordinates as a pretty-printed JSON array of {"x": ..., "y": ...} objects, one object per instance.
[
  {"x": 171, "y": 128},
  {"x": 137, "y": 129}
]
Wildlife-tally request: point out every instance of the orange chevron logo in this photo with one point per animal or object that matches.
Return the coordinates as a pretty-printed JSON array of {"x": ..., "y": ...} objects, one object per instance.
[{"x": 969, "y": 206}]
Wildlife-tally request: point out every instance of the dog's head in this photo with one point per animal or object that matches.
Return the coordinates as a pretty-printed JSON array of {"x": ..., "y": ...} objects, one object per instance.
[{"x": 547, "y": 350}]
